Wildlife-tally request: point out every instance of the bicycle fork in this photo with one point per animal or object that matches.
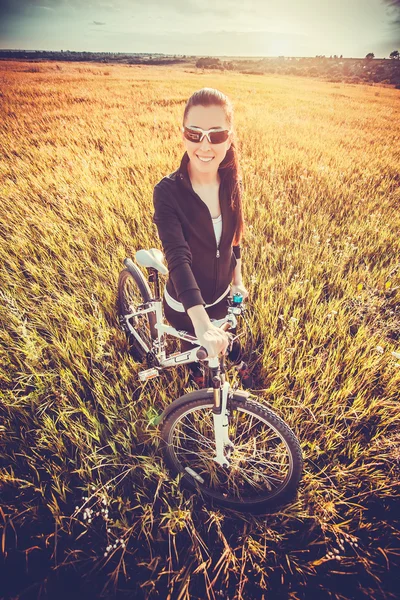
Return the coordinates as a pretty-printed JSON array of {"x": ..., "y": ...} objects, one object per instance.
[{"x": 221, "y": 423}]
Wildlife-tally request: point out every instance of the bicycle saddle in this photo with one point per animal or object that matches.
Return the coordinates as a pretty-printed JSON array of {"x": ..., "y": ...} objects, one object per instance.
[{"x": 151, "y": 258}]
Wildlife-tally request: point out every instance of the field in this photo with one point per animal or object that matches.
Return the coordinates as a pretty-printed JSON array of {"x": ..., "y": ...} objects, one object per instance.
[{"x": 87, "y": 505}]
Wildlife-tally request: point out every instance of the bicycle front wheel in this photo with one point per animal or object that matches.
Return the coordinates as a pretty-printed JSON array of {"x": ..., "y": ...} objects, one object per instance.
[
  {"x": 265, "y": 462},
  {"x": 133, "y": 290}
]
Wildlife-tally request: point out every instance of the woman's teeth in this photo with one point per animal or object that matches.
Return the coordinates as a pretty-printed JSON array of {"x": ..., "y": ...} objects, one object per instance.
[{"x": 204, "y": 159}]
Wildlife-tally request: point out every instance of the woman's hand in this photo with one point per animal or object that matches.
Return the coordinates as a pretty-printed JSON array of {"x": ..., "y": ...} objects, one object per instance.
[
  {"x": 238, "y": 288},
  {"x": 214, "y": 339}
]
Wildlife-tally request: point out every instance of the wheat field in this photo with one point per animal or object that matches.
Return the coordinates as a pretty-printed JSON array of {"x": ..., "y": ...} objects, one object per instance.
[{"x": 86, "y": 501}]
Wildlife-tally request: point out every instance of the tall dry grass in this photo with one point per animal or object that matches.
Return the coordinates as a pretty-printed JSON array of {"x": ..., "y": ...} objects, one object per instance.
[{"x": 85, "y": 494}]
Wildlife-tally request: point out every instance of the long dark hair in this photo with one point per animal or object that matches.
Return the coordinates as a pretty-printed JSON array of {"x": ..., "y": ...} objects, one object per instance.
[{"x": 229, "y": 168}]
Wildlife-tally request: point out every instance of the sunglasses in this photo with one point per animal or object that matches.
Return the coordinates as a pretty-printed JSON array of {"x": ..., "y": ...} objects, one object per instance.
[{"x": 196, "y": 134}]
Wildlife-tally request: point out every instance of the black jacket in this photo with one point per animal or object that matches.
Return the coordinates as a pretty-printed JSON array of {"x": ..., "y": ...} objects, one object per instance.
[{"x": 199, "y": 272}]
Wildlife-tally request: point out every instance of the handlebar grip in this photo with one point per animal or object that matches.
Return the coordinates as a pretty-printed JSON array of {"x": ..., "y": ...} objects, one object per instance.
[{"x": 201, "y": 353}]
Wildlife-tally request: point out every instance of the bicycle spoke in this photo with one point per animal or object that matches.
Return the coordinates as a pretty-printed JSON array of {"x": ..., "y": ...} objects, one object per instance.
[
  {"x": 196, "y": 431},
  {"x": 132, "y": 299},
  {"x": 260, "y": 452},
  {"x": 188, "y": 437},
  {"x": 247, "y": 432},
  {"x": 244, "y": 431},
  {"x": 257, "y": 441},
  {"x": 264, "y": 475},
  {"x": 267, "y": 465}
]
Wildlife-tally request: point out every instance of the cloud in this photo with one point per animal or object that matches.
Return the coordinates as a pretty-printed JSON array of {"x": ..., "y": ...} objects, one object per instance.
[
  {"x": 394, "y": 11},
  {"x": 11, "y": 9},
  {"x": 14, "y": 8}
]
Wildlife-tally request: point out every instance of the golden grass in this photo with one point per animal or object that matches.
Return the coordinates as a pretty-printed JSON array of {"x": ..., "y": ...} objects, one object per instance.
[{"x": 82, "y": 147}]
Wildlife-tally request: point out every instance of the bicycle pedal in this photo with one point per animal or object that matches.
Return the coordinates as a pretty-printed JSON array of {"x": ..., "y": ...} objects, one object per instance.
[{"x": 148, "y": 374}]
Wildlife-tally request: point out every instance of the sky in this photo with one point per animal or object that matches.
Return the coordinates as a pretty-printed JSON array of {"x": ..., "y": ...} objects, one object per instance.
[{"x": 204, "y": 27}]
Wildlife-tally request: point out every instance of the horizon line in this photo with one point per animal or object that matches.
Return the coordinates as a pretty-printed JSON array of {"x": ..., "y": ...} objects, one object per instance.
[{"x": 190, "y": 55}]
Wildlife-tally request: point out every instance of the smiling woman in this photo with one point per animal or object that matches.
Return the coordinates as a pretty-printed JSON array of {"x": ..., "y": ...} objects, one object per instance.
[
  {"x": 198, "y": 213},
  {"x": 218, "y": 138}
]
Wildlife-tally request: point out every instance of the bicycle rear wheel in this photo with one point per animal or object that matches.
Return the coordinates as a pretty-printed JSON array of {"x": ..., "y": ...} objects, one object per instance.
[
  {"x": 133, "y": 290},
  {"x": 265, "y": 464}
]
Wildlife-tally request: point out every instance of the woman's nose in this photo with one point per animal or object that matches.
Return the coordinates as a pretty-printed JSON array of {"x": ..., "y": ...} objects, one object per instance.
[{"x": 205, "y": 144}]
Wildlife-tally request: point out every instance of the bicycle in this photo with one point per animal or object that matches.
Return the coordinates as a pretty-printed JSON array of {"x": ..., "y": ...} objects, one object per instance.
[{"x": 226, "y": 446}]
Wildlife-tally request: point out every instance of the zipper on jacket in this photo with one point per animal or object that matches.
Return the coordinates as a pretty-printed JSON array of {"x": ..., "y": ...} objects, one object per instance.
[
  {"x": 217, "y": 254},
  {"x": 216, "y": 272}
]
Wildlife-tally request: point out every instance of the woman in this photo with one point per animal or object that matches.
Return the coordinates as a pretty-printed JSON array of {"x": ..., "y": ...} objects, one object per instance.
[{"x": 198, "y": 214}]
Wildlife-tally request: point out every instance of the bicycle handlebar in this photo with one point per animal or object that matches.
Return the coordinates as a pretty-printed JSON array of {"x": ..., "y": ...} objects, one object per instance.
[{"x": 202, "y": 352}]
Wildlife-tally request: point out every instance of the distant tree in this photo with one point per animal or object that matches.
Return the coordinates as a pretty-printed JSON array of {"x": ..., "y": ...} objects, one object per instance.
[
  {"x": 341, "y": 56},
  {"x": 395, "y": 55},
  {"x": 208, "y": 62},
  {"x": 370, "y": 56}
]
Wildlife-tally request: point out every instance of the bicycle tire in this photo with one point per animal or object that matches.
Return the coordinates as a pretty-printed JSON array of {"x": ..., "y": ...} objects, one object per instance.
[
  {"x": 256, "y": 503},
  {"x": 134, "y": 290}
]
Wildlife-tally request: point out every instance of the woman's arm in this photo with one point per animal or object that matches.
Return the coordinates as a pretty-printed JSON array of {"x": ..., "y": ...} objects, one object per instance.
[
  {"x": 176, "y": 250},
  {"x": 214, "y": 339},
  {"x": 237, "y": 286},
  {"x": 207, "y": 334},
  {"x": 237, "y": 273}
]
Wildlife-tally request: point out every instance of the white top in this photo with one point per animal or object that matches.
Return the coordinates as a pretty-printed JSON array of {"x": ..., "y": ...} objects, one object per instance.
[
  {"x": 217, "y": 224},
  {"x": 178, "y": 306}
]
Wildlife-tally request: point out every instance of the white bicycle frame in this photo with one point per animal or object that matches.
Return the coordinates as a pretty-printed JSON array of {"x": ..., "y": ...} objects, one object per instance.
[
  {"x": 158, "y": 347},
  {"x": 220, "y": 419}
]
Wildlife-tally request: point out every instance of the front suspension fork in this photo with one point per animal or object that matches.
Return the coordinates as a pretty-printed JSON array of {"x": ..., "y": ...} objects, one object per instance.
[{"x": 221, "y": 423}]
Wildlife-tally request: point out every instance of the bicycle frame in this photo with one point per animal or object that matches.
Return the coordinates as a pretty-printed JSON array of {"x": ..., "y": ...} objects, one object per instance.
[{"x": 158, "y": 345}]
